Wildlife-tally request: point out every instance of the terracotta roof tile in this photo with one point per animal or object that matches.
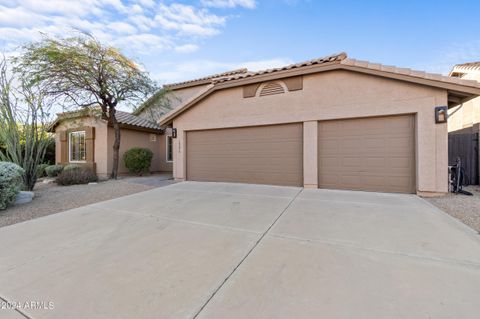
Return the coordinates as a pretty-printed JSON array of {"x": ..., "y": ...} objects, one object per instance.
[
  {"x": 122, "y": 118},
  {"x": 468, "y": 86},
  {"x": 410, "y": 72},
  {"x": 130, "y": 119},
  {"x": 460, "y": 69},
  {"x": 209, "y": 77},
  {"x": 341, "y": 58},
  {"x": 469, "y": 66},
  {"x": 327, "y": 59}
]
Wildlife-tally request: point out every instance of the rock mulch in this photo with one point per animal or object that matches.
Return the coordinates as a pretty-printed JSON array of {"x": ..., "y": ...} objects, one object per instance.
[
  {"x": 465, "y": 208},
  {"x": 51, "y": 198}
]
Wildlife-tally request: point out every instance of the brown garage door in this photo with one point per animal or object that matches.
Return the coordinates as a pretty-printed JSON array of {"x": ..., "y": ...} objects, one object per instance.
[
  {"x": 372, "y": 154},
  {"x": 260, "y": 155}
]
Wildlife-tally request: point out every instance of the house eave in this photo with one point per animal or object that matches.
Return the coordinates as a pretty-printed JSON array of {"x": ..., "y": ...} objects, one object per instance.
[{"x": 454, "y": 90}]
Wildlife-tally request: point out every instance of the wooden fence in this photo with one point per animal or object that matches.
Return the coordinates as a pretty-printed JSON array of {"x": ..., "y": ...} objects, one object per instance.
[{"x": 466, "y": 147}]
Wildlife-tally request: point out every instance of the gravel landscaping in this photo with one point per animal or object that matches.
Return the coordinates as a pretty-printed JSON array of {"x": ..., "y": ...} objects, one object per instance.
[
  {"x": 51, "y": 198},
  {"x": 465, "y": 208}
]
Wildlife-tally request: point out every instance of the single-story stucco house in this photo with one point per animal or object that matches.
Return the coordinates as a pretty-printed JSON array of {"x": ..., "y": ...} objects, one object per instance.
[{"x": 331, "y": 122}]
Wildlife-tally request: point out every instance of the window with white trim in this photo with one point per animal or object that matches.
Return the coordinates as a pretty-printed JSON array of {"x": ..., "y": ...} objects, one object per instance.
[
  {"x": 169, "y": 143},
  {"x": 77, "y": 147}
]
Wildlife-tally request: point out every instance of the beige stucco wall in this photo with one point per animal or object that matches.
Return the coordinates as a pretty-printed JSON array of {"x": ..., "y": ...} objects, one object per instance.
[
  {"x": 468, "y": 113},
  {"x": 103, "y": 145},
  {"x": 329, "y": 95},
  {"x": 170, "y": 101},
  {"x": 100, "y": 142},
  {"x": 130, "y": 139}
]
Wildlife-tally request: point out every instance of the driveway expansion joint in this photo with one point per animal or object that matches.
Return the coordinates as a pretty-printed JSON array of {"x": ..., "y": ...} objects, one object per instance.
[
  {"x": 246, "y": 255},
  {"x": 347, "y": 245},
  {"x": 141, "y": 215}
]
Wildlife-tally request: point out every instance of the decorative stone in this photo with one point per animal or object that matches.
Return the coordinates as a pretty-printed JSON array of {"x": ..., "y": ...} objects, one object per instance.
[
  {"x": 24, "y": 197},
  {"x": 48, "y": 180}
]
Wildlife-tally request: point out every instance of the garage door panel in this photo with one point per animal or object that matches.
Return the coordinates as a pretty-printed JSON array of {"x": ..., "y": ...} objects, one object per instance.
[
  {"x": 262, "y": 155},
  {"x": 374, "y": 154}
]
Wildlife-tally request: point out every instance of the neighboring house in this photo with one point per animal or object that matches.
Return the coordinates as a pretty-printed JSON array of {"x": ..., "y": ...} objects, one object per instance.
[
  {"x": 82, "y": 138},
  {"x": 332, "y": 122},
  {"x": 465, "y": 117},
  {"x": 464, "y": 126}
]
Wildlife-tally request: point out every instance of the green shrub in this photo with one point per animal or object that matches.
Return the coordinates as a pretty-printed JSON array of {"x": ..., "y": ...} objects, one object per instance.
[
  {"x": 53, "y": 170},
  {"x": 41, "y": 170},
  {"x": 71, "y": 167},
  {"x": 11, "y": 182},
  {"x": 138, "y": 160},
  {"x": 76, "y": 176}
]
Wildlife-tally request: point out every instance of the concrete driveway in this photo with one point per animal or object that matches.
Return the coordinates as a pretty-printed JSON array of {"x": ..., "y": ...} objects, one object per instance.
[{"x": 216, "y": 250}]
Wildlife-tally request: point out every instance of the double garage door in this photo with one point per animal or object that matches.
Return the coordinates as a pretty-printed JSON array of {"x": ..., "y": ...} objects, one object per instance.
[{"x": 372, "y": 154}]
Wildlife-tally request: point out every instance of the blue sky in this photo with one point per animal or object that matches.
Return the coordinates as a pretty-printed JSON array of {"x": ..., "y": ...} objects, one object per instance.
[{"x": 180, "y": 40}]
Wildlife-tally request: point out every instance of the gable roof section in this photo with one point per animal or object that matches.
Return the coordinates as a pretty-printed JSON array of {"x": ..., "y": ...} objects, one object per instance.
[
  {"x": 459, "y": 90},
  {"x": 183, "y": 85},
  {"x": 124, "y": 118},
  {"x": 205, "y": 80}
]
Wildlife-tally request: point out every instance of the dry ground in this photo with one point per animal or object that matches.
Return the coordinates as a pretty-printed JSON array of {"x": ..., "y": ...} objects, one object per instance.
[
  {"x": 465, "y": 208},
  {"x": 51, "y": 199}
]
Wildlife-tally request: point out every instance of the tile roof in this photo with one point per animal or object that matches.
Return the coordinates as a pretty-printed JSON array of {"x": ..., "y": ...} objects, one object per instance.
[
  {"x": 465, "y": 67},
  {"x": 207, "y": 78},
  {"x": 342, "y": 59},
  {"x": 130, "y": 119},
  {"x": 331, "y": 58},
  {"x": 456, "y": 87},
  {"x": 410, "y": 72},
  {"x": 122, "y": 118}
]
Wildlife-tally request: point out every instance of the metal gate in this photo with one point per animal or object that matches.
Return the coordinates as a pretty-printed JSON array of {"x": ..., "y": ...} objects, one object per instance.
[{"x": 465, "y": 146}]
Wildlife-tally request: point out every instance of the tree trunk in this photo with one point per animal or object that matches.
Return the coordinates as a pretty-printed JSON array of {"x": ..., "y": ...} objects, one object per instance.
[{"x": 116, "y": 145}]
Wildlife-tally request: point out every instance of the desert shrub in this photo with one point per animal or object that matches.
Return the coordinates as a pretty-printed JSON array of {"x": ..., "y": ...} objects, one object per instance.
[
  {"x": 53, "y": 170},
  {"x": 138, "y": 160},
  {"x": 41, "y": 170},
  {"x": 71, "y": 167},
  {"x": 11, "y": 182},
  {"x": 76, "y": 176}
]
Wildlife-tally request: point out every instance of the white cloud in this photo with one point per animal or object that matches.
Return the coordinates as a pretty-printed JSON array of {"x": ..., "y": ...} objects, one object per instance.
[
  {"x": 62, "y": 7},
  {"x": 147, "y": 3},
  {"x": 122, "y": 27},
  {"x": 188, "y": 20},
  {"x": 250, "y": 4},
  {"x": 144, "y": 28},
  {"x": 169, "y": 24},
  {"x": 186, "y": 48},
  {"x": 145, "y": 43},
  {"x": 19, "y": 17}
]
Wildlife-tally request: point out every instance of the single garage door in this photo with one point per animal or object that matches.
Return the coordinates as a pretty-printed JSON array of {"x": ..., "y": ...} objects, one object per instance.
[
  {"x": 371, "y": 154},
  {"x": 259, "y": 155}
]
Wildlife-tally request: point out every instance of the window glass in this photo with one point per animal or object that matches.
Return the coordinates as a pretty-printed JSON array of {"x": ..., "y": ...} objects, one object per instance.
[
  {"x": 77, "y": 147},
  {"x": 169, "y": 149}
]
